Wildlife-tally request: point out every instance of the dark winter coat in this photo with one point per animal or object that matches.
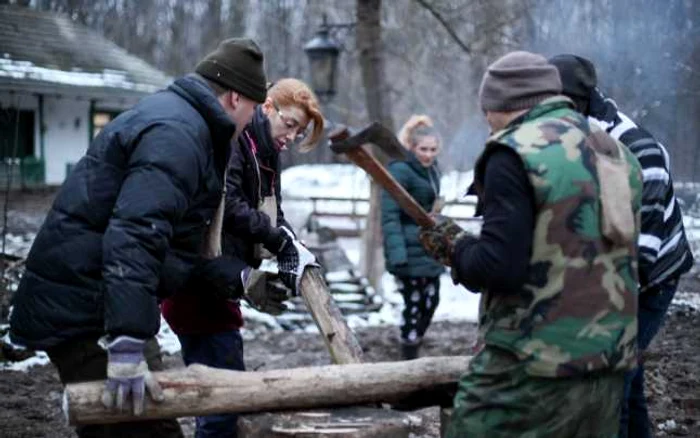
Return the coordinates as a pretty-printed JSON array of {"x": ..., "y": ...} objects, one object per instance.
[
  {"x": 252, "y": 176},
  {"x": 403, "y": 252},
  {"x": 148, "y": 186},
  {"x": 244, "y": 226}
]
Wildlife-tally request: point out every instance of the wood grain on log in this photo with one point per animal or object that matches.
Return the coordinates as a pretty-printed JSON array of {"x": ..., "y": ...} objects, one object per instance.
[
  {"x": 199, "y": 390},
  {"x": 340, "y": 340}
]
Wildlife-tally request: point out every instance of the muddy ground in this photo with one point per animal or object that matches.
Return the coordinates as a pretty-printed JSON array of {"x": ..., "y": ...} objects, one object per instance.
[{"x": 29, "y": 401}]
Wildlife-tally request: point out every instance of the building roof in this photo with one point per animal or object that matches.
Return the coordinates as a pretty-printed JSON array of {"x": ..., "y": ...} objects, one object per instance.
[{"x": 47, "y": 52}]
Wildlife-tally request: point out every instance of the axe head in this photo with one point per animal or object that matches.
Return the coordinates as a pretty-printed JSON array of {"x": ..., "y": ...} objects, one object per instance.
[{"x": 343, "y": 141}]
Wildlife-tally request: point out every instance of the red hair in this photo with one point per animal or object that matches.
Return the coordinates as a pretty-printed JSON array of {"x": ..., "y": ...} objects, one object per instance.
[{"x": 293, "y": 92}]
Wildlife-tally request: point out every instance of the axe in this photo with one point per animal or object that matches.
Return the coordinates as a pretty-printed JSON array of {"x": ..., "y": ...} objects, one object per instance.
[{"x": 353, "y": 147}]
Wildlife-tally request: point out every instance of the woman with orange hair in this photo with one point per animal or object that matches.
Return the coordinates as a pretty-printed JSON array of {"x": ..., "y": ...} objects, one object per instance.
[
  {"x": 417, "y": 273},
  {"x": 208, "y": 328}
]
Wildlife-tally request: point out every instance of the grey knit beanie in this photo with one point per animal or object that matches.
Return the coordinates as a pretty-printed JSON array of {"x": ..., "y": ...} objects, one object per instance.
[{"x": 518, "y": 80}]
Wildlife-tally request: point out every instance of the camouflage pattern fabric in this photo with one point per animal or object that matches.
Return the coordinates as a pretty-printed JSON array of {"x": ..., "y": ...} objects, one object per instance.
[
  {"x": 497, "y": 398},
  {"x": 439, "y": 240},
  {"x": 576, "y": 313}
]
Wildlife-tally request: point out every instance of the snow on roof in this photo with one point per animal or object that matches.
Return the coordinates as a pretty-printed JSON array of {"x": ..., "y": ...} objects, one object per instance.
[
  {"x": 106, "y": 78},
  {"x": 41, "y": 49}
]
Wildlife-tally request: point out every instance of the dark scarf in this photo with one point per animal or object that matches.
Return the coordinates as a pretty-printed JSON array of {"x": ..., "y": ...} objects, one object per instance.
[
  {"x": 260, "y": 126},
  {"x": 602, "y": 108}
]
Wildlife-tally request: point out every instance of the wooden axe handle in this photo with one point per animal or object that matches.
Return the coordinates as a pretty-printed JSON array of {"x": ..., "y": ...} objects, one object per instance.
[{"x": 379, "y": 174}]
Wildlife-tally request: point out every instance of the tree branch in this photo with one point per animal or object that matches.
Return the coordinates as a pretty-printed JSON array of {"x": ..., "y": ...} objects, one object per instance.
[{"x": 434, "y": 12}]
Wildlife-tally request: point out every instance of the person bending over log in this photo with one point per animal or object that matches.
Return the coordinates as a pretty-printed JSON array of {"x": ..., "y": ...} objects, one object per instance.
[
  {"x": 254, "y": 228},
  {"x": 135, "y": 219}
]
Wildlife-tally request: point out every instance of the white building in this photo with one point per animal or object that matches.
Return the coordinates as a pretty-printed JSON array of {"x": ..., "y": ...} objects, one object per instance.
[{"x": 60, "y": 82}]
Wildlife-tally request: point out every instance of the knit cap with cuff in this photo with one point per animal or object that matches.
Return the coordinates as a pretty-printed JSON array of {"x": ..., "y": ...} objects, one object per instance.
[
  {"x": 518, "y": 80},
  {"x": 237, "y": 64}
]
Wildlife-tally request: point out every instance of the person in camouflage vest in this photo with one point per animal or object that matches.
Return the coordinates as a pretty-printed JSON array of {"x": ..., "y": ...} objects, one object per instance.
[{"x": 555, "y": 263}]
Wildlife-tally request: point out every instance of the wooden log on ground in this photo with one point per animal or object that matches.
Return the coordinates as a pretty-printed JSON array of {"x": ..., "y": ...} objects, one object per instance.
[
  {"x": 340, "y": 340},
  {"x": 353, "y": 422},
  {"x": 199, "y": 390}
]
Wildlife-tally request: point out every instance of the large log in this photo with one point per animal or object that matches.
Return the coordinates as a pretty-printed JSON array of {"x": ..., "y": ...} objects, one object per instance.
[
  {"x": 199, "y": 390},
  {"x": 340, "y": 340}
]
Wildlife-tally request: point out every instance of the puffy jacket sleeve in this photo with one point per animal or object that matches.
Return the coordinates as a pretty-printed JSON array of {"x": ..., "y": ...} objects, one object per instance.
[
  {"x": 392, "y": 229},
  {"x": 240, "y": 217},
  {"x": 162, "y": 175},
  {"x": 176, "y": 272}
]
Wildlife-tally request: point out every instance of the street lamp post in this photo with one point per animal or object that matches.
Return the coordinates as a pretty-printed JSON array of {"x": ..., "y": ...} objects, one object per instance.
[{"x": 323, "y": 51}]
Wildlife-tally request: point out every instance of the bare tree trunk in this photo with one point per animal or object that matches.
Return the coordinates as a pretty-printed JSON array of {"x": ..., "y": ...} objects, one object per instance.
[{"x": 371, "y": 54}]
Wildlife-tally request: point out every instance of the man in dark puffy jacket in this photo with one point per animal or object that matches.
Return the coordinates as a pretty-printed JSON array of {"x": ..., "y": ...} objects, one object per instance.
[{"x": 137, "y": 209}]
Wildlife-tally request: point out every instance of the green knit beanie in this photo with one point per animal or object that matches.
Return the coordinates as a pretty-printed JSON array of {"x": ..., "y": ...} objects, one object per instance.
[{"x": 237, "y": 64}]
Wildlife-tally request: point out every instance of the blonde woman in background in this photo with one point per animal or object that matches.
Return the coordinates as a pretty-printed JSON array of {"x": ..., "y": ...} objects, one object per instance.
[{"x": 417, "y": 273}]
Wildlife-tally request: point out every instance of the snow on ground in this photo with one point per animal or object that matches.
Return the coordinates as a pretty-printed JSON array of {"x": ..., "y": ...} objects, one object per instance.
[
  {"x": 347, "y": 181},
  {"x": 348, "y": 187},
  {"x": 40, "y": 358},
  {"x": 18, "y": 244},
  {"x": 456, "y": 302}
]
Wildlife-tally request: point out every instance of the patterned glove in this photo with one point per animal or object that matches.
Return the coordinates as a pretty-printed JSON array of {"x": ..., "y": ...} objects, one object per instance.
[
  {"x": 439, "y": 240},
  {"x": 127, "y": 374},
  {"x": 264, "y": 292},
  {"x": 277, "y": 240},
  {"x": 292, "y": 259}
]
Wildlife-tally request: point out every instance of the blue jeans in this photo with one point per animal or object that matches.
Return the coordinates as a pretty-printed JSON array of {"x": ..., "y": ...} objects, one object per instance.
[
  {"x": 218, "y": 350},
  {"x": 653, "y": 305}
]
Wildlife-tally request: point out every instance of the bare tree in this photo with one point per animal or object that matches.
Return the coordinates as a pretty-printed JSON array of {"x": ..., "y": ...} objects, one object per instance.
[{"x": 369, "y": 45}]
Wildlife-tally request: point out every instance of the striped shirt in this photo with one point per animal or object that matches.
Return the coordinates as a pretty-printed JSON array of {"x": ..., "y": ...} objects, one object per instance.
[{"x": 664, "y": 252}]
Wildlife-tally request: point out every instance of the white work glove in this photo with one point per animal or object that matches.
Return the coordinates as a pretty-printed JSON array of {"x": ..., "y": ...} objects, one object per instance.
[
  {"x": 127, "y": 374},
  {"x": 292, "y": 259}
]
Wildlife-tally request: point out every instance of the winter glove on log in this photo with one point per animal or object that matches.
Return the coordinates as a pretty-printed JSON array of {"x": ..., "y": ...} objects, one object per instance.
[
  {"x": 292, "y": 259},
  {"x": 277, "y": 240},
  {"x": 128, "y": 376},
  {"x": 439, "y": 240},
  {"x": 264, "y": 291},
  {"x": 220, "y": 276}
]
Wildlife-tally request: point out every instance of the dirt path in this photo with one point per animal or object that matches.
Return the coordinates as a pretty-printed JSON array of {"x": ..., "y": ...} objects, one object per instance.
[
  {"x": 30, "y": 401},
  {"x": 29, "y": 405}
]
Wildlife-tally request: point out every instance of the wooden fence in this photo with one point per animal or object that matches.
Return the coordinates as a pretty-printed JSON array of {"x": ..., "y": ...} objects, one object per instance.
[{"x": 347, "y": 216}]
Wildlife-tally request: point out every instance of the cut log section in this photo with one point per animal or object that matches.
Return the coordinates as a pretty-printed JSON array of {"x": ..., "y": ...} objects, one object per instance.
[
  {"x": 199, "y": 390},
  {"x": 340, "y": 340}
]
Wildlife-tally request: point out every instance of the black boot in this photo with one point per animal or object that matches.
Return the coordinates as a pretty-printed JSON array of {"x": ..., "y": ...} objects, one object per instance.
[{"x": 409, "y": 350}]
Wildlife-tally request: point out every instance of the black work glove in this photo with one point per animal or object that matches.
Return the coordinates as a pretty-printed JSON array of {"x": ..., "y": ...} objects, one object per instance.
[
  {"x": 276, "y": 240},
  {"x": 439, "y": 240},
  {"x": 264, "y": 291},
  {"x": 220, "y": 276}
]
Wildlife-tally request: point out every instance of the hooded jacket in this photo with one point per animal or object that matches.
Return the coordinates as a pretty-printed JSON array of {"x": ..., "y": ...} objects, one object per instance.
[{"x": 403, "y": 252}]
